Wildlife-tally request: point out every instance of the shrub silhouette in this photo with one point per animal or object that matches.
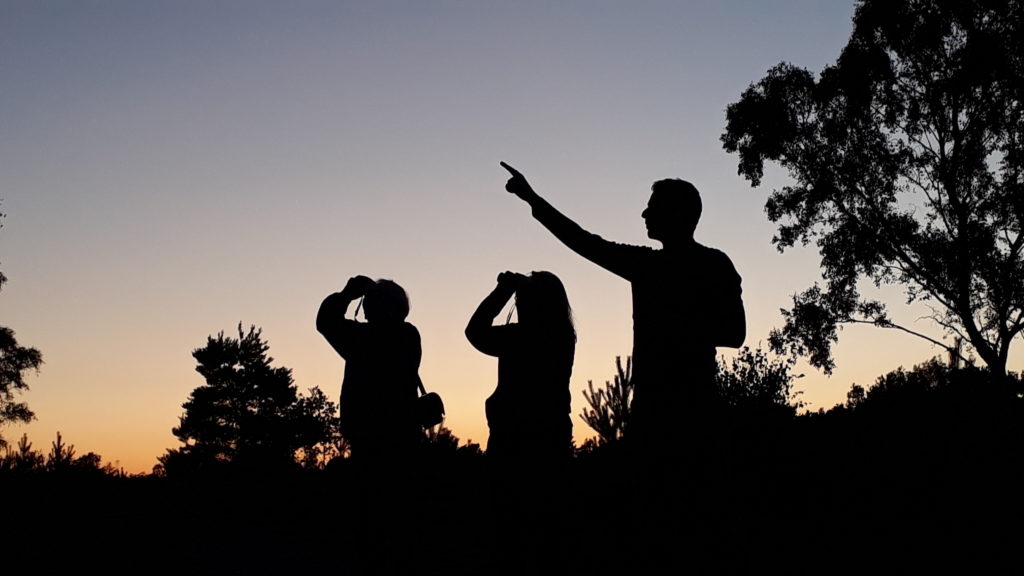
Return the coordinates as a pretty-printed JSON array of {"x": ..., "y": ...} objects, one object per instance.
[{"x": 608, "y": 414}]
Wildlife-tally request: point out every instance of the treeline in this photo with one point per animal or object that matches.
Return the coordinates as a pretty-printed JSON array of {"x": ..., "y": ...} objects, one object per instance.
[
  {"x": 918, "y": 471},
  {"x": 24, "y": 460},
  {"x": 249, "y": 417}
]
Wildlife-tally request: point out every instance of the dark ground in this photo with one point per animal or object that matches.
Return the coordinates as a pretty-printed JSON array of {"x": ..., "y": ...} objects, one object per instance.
[{"x": 824, "y": 505}]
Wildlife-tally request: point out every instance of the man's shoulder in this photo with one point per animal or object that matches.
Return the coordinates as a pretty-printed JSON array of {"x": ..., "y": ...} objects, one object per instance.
[
  {"x": 712, "y": 253},
  {"x": 716, "y": 259}
]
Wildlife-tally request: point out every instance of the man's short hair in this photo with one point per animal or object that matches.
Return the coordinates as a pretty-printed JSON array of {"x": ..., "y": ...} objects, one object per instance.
[{"x": 681, "y": 199}]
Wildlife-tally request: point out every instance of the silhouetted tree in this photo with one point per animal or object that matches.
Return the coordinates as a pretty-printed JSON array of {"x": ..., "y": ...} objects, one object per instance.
[
  {"x": 855, "y": 396},
  {"x": 248, "y": 412},
  {"x": 908, "y": 161},
  {"x": 753, "y": 382},
  {"x": 441, "y": 437},
  {"x": 750, "y": 382},
  {"x": 61, "y": 455},
  {"x": 936, "y": 420},
  {"x": 608, "y": 414},
  {"x": 15, "y": 361},
  {"x": 440, "y": 441},
  {"x": 22, "y": 458},
  {"x": 61, "y": 460},
  {"x": 904, "y": 393},
  {"x": 322, "y": 416},
  {"x": 91, "y": 464}
]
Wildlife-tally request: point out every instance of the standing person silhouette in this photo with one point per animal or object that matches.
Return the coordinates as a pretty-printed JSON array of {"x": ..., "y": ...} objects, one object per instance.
[
  {"x": 686, "y": 302},
  {"x": 378, "y": 418},
  {"x": 382, "y": 359},
  {"x": 528, "y": 413}
]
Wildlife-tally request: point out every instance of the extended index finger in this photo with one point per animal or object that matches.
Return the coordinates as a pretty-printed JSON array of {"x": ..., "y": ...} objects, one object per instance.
[{"x": 510, "y": 169}]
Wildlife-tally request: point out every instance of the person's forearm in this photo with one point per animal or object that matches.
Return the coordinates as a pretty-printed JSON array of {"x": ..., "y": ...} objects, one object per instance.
[
  {"x": 586, "y": 244},
  {"x": 590, "y": 246},
  {"x": 488, "y": 309},
  {"x": 559, "y": 224},
  {"x": 333, "y": 309}
]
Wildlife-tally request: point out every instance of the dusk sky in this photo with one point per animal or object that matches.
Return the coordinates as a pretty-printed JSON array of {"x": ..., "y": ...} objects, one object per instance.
[{"x": 170, "y": 169}]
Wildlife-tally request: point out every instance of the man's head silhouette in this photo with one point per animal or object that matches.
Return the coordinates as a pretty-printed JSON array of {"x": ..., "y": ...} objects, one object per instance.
[{"x": 673, "y": 211}]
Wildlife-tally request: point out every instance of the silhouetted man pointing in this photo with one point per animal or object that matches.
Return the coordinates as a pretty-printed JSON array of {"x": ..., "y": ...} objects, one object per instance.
[{"x": 686, "y": 302}]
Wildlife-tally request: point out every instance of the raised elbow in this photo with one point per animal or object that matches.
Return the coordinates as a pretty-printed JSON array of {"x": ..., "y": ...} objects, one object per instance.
[{"x": 325, "y": 319}]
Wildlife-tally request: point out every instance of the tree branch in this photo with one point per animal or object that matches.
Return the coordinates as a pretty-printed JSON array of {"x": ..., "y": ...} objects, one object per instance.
[{"x": 889, "y": 324}]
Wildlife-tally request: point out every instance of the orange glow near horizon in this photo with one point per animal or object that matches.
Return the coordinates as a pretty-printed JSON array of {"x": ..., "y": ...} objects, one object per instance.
[{"x": 171, "y": 170}]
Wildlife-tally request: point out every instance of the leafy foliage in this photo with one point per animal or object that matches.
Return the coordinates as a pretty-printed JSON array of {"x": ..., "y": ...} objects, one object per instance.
[
  {"x": 15, "y": 361},
  {"x": 751, "y": 383},
  {"x": 907, "y": 157},
  {"x": 331, "y": 444},
  {"x": 754, "y": 383},
  {"x": 249, "y": 413},
  {"x": 949, "y": 391}
]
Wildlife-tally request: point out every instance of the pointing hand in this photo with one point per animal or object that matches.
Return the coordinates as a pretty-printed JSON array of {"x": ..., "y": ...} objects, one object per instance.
[{"x": 517, "y": 184}]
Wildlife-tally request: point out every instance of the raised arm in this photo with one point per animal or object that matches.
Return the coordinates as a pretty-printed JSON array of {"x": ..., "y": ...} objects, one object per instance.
[
  {"x": 481, "y": 333},
  {"x": 330, "y": 319},
  {"x": 616, "y": 258}
]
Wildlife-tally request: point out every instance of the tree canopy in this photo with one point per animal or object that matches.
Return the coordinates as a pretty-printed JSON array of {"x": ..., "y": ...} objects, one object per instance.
[
  {"x": 15, "y": 361},
  {"x": 906, "y": 157},
  {"x": 248, "y": 412}
]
